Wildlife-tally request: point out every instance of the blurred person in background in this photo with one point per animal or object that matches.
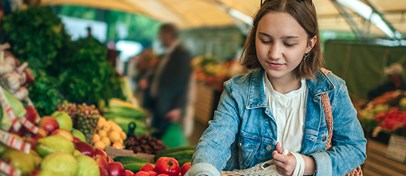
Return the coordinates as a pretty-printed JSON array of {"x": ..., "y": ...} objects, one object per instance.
[
  {"x": 169, "y": 88},
  {"x": 394, "y": 82}
]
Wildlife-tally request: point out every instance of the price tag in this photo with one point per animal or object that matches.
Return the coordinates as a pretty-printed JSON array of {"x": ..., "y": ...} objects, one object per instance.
[
  {"x": 396, "y": 148},
  {"x": 8, "y": 169},
  {"x": 13, "y": 142},
  {"x": 27, "y": 124}
]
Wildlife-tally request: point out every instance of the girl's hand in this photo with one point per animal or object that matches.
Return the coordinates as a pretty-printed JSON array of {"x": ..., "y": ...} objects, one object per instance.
[{"x": 285, "y": 164}]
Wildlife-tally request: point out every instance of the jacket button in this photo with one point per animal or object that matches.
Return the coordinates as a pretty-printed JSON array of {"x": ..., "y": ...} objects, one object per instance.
[
  {"x": 324, "y": 138},
  {"x": 268, "y": 147}
]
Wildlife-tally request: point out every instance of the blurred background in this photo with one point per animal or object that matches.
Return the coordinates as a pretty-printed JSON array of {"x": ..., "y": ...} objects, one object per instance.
[{"x": 71, "y": 45}]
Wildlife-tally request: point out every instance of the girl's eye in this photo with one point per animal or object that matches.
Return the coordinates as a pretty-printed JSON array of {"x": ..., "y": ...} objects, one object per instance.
[
  {"x": 266, "y": 41},
  {"x": 290, "y": 44}
]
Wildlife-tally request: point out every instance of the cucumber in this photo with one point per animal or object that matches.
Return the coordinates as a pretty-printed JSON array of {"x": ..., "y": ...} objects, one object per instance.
[
  {"x": 176, "y": 149},
  {"x": 134, "y": 167},
  {"x": 183, "y": 161},
  {"x": 129, "y": 159}
]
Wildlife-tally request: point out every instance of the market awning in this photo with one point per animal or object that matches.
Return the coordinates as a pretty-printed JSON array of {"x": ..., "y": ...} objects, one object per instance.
[{"x": 207, "y": 13}]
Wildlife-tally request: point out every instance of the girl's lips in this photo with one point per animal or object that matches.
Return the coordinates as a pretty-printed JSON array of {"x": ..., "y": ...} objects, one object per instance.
[{"x": 275, "y": 65}]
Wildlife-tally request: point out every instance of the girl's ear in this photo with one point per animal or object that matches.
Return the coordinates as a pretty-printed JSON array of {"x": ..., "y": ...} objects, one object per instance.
[{"x": 311, "y": 44}]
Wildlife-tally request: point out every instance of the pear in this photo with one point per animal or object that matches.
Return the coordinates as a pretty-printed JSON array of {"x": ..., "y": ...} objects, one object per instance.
[
  {"x": 54, "y": 143},
  {"x": 49, "y": 173},
  {"x": 87, "y": 166},
  {"x": 37, "y": 158},
  {"x": 20, "y": 160},
  {"x": 60, "y": 163}
]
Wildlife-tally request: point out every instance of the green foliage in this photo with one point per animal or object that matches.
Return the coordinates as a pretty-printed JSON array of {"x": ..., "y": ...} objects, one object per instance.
[
  {"x": 76, "y": 71},
  {"x": 45, "y": 92},
  {"x": 88, "y": 76},
  {"x": 36, "y": 35}
]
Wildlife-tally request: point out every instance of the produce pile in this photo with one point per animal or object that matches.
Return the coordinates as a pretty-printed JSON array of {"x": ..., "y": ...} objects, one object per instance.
[
  {"x": 124, "y": 114},
  {"x": 385, "y": 113},
  {"x": 213, "y": 72},
  {"x": 144, "y": 144},
  {"x": 37, "y": 36},
  {"x": 54, "y": 144},
  {"x": 169, "y": 162},
  {"x": 73, "y": 115}
]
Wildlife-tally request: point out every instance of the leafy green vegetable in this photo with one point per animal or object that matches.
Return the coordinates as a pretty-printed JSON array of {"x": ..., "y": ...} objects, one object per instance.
[{"x": 76, "y": 71}]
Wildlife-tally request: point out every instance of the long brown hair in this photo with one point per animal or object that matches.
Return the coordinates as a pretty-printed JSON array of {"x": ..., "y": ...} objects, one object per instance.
[{"x": 304, "y": 13}]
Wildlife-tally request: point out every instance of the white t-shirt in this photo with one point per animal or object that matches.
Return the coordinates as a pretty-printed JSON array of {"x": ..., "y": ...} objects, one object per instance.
[{"x": 289, "y": 112}]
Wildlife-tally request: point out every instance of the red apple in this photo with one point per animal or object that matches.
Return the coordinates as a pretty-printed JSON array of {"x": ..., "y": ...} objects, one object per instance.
[
  {"x": 103, "y": 172},
  {"x": 75, "y": 139},
  {"x": 152, "y": 173},
  {"x": 116, "y": 169},
  {"x": 102, "y": 162},
  {"x": 49, "y": 124},
  {"x": 129, "y": 173},
  {"x": 64, "y": 133},
  {"x": 148, "y": 167},
  {"x": 110, "y": 160},
  {"x": 85, "y": 148},
  {"x": 101, "y": 153},
  {"x": 141, "y": 173}
]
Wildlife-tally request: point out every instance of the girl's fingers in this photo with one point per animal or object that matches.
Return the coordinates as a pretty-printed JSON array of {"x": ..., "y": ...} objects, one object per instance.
[
  {"x": 278, "y": 164},
  {"x": 280, "y": 157},
  {"x": 279, "y": 148}
]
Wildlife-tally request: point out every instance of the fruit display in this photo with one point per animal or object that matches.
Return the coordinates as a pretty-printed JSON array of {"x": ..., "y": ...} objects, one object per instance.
[
  {"x": 124, "y": 113},
  {"x": 14, "y": 77},
  {"x": 385, "y": 113},
  {"x": 85, "y": 117},
  {"x": 144, "y": 144},
  {"x": 108, "y": 133},
  {"x": 181, "y": 154},
  {"x": 164, "y": 166},
  {"x": 213, "y": 73}
]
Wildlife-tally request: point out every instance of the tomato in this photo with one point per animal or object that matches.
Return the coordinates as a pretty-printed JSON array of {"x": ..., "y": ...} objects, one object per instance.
[
  {"x": 185, "y": 168},
  {"x": 129, "y": 173},
  {"x": 167, "y": 165},
  {"x": 162, "y": 175},
  {"x": 148, "y": 167},
  {"x": 141, "y": 173},
  {"x": 152, "y": 173}
]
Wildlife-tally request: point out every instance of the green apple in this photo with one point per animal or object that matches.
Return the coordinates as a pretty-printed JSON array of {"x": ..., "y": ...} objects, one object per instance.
[
  {"x": 64, "y": 120},
  {"x": 60, "y": 163},
  {"x": 79, "y": 135}
]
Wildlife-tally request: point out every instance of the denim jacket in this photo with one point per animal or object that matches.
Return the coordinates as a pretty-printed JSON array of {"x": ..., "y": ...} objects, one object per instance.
[{"x": 243, "y": 132}]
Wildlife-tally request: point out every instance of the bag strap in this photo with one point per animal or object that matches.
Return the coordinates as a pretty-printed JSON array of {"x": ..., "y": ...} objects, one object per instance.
[{"x": 328, "y": 115}]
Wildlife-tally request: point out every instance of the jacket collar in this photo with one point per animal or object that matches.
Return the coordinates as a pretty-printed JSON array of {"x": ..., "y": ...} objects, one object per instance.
[{"x": 256, "y": 92}]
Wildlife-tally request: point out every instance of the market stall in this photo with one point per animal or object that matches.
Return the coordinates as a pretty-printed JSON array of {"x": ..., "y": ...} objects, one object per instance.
[{"x": 62, "y": 101}]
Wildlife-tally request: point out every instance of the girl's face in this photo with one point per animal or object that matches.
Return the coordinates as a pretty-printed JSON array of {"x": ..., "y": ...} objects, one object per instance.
[{"x": 281, "y": 44}]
